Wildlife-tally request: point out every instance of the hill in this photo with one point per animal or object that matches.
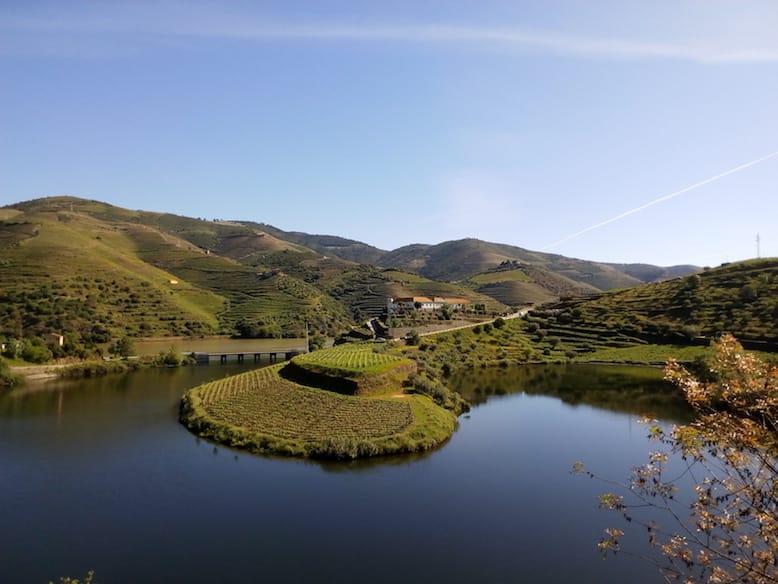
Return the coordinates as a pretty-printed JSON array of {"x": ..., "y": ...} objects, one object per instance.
[
  {"x": 328, "y": 245},
  {"x": 465, "y": 258},
  {"x": 648, "y": 273},
  {"x": 739, "y": 298},
  {"x": 96, "y": 273},
  {"x": 517, "y": 284}
]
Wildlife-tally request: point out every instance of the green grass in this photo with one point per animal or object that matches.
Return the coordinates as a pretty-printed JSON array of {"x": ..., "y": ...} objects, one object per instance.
[
  {"x": 262, "y": 412},
  {"x": 645, "y": 354}
]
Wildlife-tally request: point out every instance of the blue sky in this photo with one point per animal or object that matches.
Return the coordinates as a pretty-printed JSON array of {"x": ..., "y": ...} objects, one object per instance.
[{"x": 409, "y": 122}]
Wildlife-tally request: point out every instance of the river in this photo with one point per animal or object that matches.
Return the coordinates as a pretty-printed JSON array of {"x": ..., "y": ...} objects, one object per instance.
[{"x": 98, "y": 474}]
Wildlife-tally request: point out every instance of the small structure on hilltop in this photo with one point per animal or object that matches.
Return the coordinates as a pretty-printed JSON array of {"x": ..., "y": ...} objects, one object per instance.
[
  {"x": 54, "y": 339},
  {"x": 409, "y": 303}
]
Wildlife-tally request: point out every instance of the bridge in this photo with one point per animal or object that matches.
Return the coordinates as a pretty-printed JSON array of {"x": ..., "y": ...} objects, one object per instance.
[{"x": 272, "y": 355}]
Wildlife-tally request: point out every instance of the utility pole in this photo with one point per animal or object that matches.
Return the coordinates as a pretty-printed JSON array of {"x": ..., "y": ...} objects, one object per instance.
[{"x": 758, "y": 250}]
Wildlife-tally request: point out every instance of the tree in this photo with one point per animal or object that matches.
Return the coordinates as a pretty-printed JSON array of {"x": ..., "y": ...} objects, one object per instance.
[
  {"x": 123, "y": 347},
  {"x": 729, "y": 532},
  {"x": 36, "y": 351},
  {"x": 316, "y": 342}
]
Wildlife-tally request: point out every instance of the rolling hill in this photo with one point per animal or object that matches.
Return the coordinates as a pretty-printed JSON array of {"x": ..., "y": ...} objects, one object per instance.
[
  {"x": 465, "y": 258},
  {"x": 516, "y": 284},
  {"x": 739, "y": 298},
  {"x": 96, "y": 272}
]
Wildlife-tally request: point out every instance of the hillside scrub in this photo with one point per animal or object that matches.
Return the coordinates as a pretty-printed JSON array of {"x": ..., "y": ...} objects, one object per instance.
[{"x": 740, "y": 299}]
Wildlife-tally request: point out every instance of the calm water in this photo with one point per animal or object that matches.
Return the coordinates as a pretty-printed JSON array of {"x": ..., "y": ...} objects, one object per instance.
[{"x": 99, "y": 475}]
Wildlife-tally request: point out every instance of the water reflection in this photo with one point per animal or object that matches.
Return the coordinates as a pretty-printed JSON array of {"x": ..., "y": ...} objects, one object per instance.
[
  {"x": 494, "y": 504},
  {"x": 626, "y": 389}
]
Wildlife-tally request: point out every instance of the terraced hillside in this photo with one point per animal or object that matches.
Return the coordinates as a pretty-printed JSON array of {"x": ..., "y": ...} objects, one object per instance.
[
  {"x": 328, "y": 245},
  {"x": 366, "y": 288},
  {"x": 79, "y": 277},
  {"x": 264, "y": 412},
  {"x": 94, "y": 273},
  {"x": 740, "y": 298},
  {"x": 351, "y": 369},
  {"x": 516, "y": 284}
]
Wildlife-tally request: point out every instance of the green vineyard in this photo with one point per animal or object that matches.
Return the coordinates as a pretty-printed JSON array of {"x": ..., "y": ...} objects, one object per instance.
[
  {"x": 260, "y": 401},
  {"x": 351, "y": 360},
  {"x": 262, "y": 412}
]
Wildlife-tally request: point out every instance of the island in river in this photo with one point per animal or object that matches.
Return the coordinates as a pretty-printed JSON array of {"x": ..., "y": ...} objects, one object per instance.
[{"x": 345, "y": 402}]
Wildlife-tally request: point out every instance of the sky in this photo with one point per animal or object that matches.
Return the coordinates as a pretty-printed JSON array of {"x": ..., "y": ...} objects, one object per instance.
[{"x": 609, "y": 130}]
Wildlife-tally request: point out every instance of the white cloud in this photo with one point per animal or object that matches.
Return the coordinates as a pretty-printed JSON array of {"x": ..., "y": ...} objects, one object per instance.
[{"x": 705, "y": 34}]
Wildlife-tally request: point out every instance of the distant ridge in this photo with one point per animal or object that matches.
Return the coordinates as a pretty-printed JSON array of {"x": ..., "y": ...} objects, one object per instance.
[{"x": 464, "y": 258}]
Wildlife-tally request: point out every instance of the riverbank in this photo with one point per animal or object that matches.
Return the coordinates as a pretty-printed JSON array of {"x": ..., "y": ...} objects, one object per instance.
[{"x": 38, "y": 372}]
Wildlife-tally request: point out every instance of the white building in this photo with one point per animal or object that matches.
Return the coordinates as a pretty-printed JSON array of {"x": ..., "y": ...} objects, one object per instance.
[{"x": 408, "y": 303}]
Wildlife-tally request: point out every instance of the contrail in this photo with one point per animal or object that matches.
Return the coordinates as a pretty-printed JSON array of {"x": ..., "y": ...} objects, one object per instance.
[{"x": 661, "y": 199}]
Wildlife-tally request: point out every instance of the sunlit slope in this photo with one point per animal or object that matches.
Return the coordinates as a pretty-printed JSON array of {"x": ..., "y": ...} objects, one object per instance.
[
  {"x": 740, "y": 298},
  {"x": 201, "y": 292},
  {"x": 519, "y": 284},
  {"x": 226, "y": 238},
  {"x": 328, "y": 245},
  {"x": 70, "y": 272},
  {"x": 259, "y": 278}
]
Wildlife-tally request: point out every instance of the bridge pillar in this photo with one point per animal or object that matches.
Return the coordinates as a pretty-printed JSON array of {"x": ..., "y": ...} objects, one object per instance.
[
  {"x": 222, "y": 359},
  {"x": 272, "y": 357},
  {"x": 240, "y": 357}
]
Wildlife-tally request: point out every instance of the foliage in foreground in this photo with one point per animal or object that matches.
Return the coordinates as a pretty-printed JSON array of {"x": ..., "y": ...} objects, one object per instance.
[{"x": 729, "y": 532}]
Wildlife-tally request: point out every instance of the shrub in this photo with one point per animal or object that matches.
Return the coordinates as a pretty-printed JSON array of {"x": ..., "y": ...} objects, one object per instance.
[
  {"x": 7, "y": 378},
  {"x": 412, "y": 338},
  {"x": 36, "y": 351}
]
